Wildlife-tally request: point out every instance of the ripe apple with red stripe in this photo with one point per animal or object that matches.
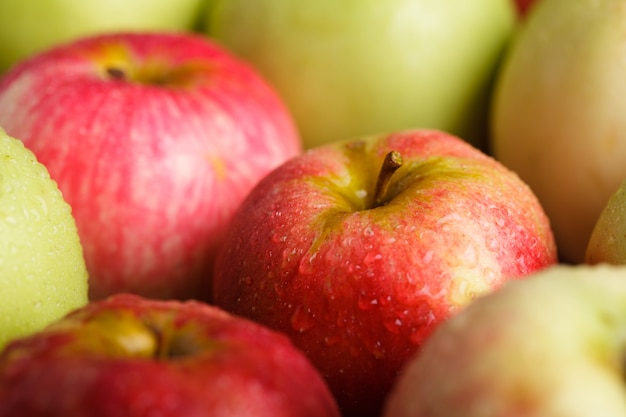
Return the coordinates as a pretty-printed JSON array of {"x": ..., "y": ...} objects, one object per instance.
[
  {"x": 357, "y": 250},
  {"x": 130, "y": 356},
  {"x": 154, "y": 140}
]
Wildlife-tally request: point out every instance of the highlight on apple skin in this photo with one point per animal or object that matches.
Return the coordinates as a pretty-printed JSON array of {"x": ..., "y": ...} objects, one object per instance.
[
  {"x": 154, "y": 140},
  {"x": 128, "y": 356},
  {"x": 551, "y": 345},
  {"x": 358, "y": 264}
]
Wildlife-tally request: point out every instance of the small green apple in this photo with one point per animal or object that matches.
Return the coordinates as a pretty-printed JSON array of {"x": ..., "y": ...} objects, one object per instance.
[
  {"x": 608, "y": 237},
  {"x": 551, "y": 345},
  {"x": 30, "y": 26},
  {"x": 42, "y": 270},
  {"x": 558, "y": 118},
  {"x": 360, "y": 67}
]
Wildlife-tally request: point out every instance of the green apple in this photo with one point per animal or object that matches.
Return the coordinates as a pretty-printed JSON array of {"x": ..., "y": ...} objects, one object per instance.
[
  {"x": 358, "y": 67},
  {"x": 30, "y": 26},
  {"x": 42, "y": 270},
  {"x": 608, "y": 237},
  {"x": 558, "y": 112},
  {"x": 551, "y": 345}
]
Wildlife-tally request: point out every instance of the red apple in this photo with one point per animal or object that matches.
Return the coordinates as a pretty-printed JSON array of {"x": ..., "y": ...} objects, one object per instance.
[
  {"x": 128, "y": 356},
  {"x": 154, "y": 140},
  {"x": 358, "y": 264}
]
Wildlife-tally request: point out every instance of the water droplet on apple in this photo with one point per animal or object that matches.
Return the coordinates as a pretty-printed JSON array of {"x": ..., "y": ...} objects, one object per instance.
[
  {"x": 331, "y": 341},
  {"x": 278, "y": 238},
  {"x": 378, "y": 350},
  {"x": 10, "y": 220},
  {"x": 393, "y": 325},
  {"x": 492, "y": 244},
  {"x": 279, "y": 289},
  {"x": 428, "y": 257},
  {"x": 366, "y": 303},
  {"x": 353, "y": 268},
  {"x": 306, "y": 264},
  {"x": 368, "y": 231},
  {"x": 385, "y": 300},
  {"x": 371, "y": 258},
  {"x": 303, "y": 319}
]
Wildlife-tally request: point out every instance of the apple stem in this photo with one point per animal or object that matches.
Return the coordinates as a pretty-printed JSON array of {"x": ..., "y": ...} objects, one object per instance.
[
  {"x": 391, "y": 163},
  {"x": 116, "y": 73}
]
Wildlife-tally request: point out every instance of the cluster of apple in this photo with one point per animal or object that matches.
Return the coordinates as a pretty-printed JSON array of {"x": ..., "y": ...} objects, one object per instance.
[{"x": 269, "y": 208}]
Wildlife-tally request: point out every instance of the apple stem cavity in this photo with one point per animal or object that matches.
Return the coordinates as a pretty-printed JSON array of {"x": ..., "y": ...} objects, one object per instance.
[
  {"x": 116, "y": 73},
  {"x": 391, "y": 163}
]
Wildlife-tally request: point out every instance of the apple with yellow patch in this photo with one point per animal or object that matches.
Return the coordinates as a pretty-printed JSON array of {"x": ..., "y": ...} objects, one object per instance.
[{"x": 359, "y": 249}]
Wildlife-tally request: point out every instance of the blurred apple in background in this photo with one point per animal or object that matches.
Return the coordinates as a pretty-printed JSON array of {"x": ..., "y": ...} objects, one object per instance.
[
  {"x": 29, "y": 27},
  {"x": 524, "y": 6},
  {"x": 358, "y": 67},
  {"x": 358, "y": 263},
  {"x": 129, "y": 356},
  {"x": 42, "y": 269},
  {"x": 557, "y": 113},
  {"x": 551, "y": 345},
  {"x": 608, "y": 237},
  {"x": 154, "y": 140}
]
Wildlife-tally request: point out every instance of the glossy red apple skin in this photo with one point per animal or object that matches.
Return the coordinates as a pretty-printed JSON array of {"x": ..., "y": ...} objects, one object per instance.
[
  {"x": 359, "y": 290},
  {"x": 154, "y": 140},
  {"x": 128, "y": 356}
]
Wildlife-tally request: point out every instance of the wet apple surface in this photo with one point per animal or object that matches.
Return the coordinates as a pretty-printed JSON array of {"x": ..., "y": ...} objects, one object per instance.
[{"x": 357, "y": 280}]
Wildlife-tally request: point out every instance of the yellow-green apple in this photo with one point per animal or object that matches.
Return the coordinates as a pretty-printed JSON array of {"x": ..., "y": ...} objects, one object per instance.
[
  {"x": 42, "y": 269},
  {"x": 128, "y": 356},
  {"x": 29, "y": 27},
  {"x": 358, "y": 249},
  {"x": 154, "y": 140},
  {"x": 365, "y": 66},
  {"x": 556, "y": 112},
  {"x": 607, "y": 242},
  {"x": 551, "y": 345}
]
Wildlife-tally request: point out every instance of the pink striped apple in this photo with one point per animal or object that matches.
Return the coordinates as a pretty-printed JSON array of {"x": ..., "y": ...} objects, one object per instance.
[
  {"x": 358, "y": 264},
  {"x": 154, "y": 140}
]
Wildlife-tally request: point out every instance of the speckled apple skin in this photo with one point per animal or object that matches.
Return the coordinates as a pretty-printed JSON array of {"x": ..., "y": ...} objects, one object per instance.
[
  {"x": 128, "y": 356},
  {"x": 360, "y": 288},
  {"x": 42, "y": 269},
  {"x": 153, "y": 165}
]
